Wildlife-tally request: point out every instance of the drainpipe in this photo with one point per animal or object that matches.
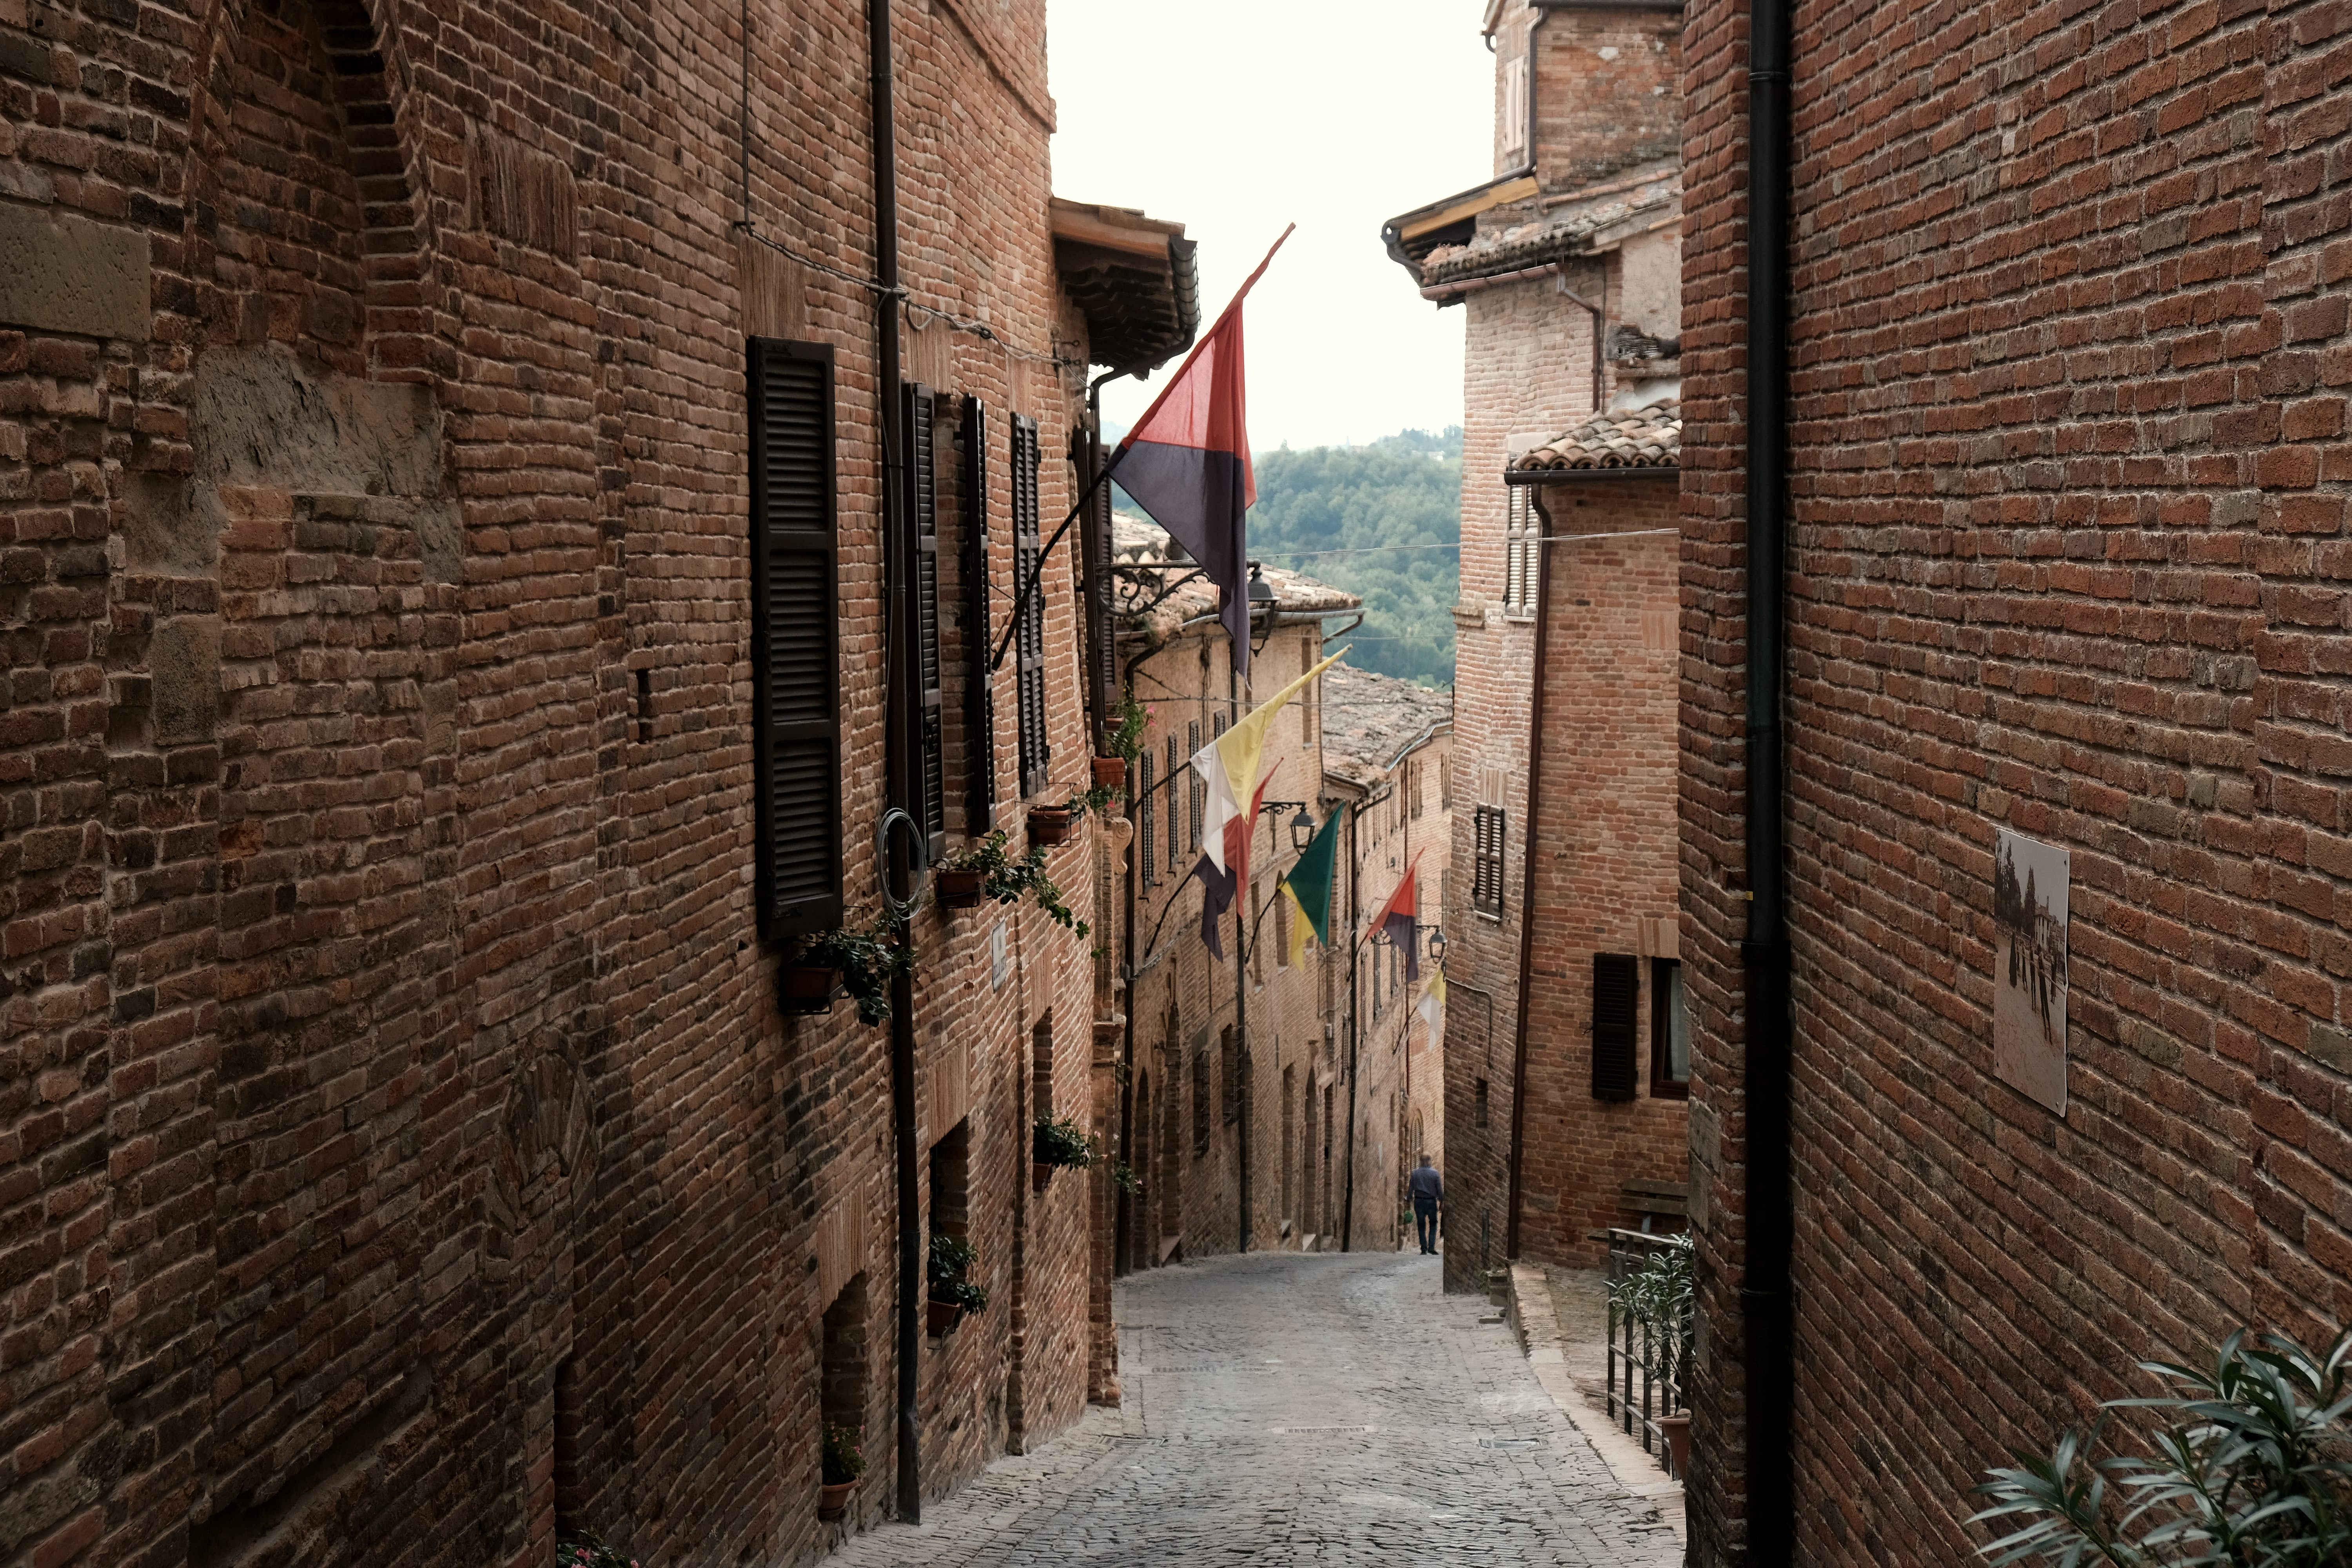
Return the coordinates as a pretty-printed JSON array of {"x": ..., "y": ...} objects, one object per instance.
[
  {"x": 1241, "y": 1011},
  {"x": 1771, "y": 1237},
  {"x": 1527, "y": 883},
  {"x": 1355, "y": 880},
  {"x": 902, "y": 985}
]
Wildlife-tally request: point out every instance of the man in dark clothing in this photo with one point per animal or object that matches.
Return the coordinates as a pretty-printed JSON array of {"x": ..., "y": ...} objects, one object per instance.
[{"x": 1428, "y": 1189}]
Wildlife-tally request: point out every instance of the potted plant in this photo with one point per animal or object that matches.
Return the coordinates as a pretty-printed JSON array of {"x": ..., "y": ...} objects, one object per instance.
[
  {"x": 2248, "y": 1469},
  {"x": 590, "y": 1550},
  {"x": 1664, "y": 1293},
  {"x": 1059, "y": 1144},
  {"x": 1110, "y": 773},
  {"x": 864, "y": 959},
  {"x": 1050, "y": 825},
  {"x": 843, "y": 1463},
  {"x": 808, "y": 987},
  {"x": 953, "y": 1292},
  {"x": 963, "y": 876}
]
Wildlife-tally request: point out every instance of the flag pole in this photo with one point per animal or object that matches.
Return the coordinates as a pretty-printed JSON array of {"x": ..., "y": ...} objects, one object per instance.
[{"x": 1029, "y": 588}]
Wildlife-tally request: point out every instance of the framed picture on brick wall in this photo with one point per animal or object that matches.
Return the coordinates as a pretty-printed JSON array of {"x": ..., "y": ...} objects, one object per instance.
[{"x": 2029, "y": 968}]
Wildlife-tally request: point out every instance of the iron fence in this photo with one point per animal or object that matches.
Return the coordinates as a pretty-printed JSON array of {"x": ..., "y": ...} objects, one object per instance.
[{"x": 1646, "y": 1355}]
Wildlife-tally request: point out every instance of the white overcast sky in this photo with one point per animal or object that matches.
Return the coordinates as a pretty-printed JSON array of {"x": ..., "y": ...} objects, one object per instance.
[{"x": 1234, "y": 116}]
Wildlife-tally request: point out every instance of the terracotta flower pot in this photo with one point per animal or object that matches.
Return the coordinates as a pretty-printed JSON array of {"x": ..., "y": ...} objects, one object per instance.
[
  {"x": 939, "y": 1317},
  {"x": 1110, "y": 773},
  {"x": 833, "y": 1498},
  {"x": 808, "y": 989},
  {"x": 1050, "y": 824},
  {"x": 1676, "y": 1429},
  {"x": 961, "y": 890}
]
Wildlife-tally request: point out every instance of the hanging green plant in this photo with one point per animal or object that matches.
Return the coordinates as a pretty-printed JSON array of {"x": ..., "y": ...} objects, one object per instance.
[
  {"x": 1061, "y": 1142},
  {"x": 844, "y": 1461},
  {"x": 1126, "y": 1178},
  {"x": 866, "y": 959},
  {"x": 1007, "y": 877},
  {"x": 590, "y": 1550},
  {"x": 950, "y": 1268},
  {"x": 1124, "y": 740}
]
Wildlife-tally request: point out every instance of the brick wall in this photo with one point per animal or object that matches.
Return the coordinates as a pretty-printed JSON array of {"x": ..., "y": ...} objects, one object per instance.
[
  {"x": 1606, "y": 91},
  {"x": 2067, "y": 513},
  {"x": 1605, "y": 848},
  {"x": 399, "y": 1142}
]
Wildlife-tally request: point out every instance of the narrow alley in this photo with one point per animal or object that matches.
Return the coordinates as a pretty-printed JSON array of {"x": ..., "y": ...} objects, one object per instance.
[{"x": 1293, "y": 1408}]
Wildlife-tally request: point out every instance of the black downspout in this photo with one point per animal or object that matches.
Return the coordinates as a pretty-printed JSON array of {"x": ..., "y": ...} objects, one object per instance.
[
  {"x": 1764, "y": 1299},
  {"x": 902, "y": 985},
  {"x": 1241, "y": 1013},
  {"x": 1348, "y": 1213},
  {"x": 1527, "y": 883}
]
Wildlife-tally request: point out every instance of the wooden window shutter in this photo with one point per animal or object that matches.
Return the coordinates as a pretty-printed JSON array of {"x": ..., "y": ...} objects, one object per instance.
[
  {"x": 980, "y": 640},
  {"x": 927, "y": 741},
  {"x": 1029, "y": 639},
  {"x": 1616, "y": 998},
  {"x": 1102, "y": 655},
  {"x": 1486, "y": 827},
  {"x": 1146, "y": 816},
  {"x": 795, "y": 636}
]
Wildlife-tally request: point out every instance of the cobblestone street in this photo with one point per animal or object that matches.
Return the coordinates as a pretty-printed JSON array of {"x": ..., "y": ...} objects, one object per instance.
[{"x": 1285, "y": 1408}]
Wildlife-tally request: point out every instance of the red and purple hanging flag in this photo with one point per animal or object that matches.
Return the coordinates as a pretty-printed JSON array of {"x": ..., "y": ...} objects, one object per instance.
[
  {"x": 1187, "y": 462},
  {"x": 1401, "y": 917}
]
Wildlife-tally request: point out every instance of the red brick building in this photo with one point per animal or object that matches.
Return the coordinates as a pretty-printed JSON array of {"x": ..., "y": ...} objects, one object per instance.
[
  {"x": 1567, "y": 262},
  {"x": 2065, "y": 502},
  {"x": 441, "y": 695}
]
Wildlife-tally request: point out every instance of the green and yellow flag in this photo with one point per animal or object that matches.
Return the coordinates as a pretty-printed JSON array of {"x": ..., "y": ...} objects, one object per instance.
[{"x": 1308, "y": 884}]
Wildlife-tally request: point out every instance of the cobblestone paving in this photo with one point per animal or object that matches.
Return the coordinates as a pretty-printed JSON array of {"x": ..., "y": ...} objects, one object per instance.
[{"x": 1286, "y": 1408}]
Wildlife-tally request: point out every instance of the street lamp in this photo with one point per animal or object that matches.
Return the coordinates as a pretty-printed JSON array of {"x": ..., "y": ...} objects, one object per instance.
[{"x": 1437, "y": 944}]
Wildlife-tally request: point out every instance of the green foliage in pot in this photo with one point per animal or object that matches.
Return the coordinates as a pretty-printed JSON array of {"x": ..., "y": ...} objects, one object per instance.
[
  {"x": 1123, "y": 738},
  {"x": 1008, "y": 879},
  {"x": 843, "y": 1459},
  {"x": 1664, "y": 1293},
  {"x": 866, "y": 959},
  {"x": 950, "y": 1264},
  {"x": 590, "y": 1550},
  {"x": 1127, "y": 1178},
  {"x": 2252, "y": 1470},
  {"x": 1060, "y": 1142},
  {"x": 1098, "y": 799}
]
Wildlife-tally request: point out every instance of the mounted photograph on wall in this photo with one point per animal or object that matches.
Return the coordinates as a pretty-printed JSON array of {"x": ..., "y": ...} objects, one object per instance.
[{"x": 2029, "y": 968}]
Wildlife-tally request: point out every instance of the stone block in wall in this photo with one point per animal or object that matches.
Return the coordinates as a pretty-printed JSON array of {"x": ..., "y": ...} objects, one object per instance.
[
  {"x": 183, "y": 661},
  {"x": 61, "y": 273}
]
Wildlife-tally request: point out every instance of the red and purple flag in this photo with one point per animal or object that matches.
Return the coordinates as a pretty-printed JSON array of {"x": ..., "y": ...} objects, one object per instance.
[
  {"x": 1401, "y": 917},
  {"x": 1187, "y": 462}
]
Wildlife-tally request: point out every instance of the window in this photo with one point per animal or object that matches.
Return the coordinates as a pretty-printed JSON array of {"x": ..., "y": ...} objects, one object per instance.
[
  {"x": 1412, "y": 781},
  {"x": 1616, "y": 998},
  {"x": 1519, "y": 552},
  {"x": 1036, "y": 756},
  {"x": 1201, "y": 1097},
  {"x": 1486, "y": 828},
  {"x": 1515, "y": 109},
  {"x": 1669, "y": 1032},
  {"x": 796, "y": 635},
  {"x": 1147, "y": 809},
  {"x": 1196, "y": 793},
  {"x": 1175, "y": 816},
  {"x": 1478, "y": 1102},
  {"x": 1040, "y": 1067},
  {"x": 1445, "y": 783},
  {"x": 1310, "y": 702},
  {"x": 919, "y": 559},
  {"x": 979, "y": 641},
  {"x": 1283, "y": 916},
  {"x": 1229, "y": 1051}
]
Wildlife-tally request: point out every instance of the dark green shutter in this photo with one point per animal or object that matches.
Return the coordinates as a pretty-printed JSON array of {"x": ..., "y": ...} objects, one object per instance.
[
  {"x": 1616, "y": 998},
  {"x": 1029, "y": 639},
  {"x": 926, "y": 739},
  {"x": 980, "y": 640},
  {"x": 796, "y": 634}
]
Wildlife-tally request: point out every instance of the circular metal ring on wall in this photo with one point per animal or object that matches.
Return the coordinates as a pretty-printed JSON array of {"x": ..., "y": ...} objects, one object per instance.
[{"x": 900, "y": 910}]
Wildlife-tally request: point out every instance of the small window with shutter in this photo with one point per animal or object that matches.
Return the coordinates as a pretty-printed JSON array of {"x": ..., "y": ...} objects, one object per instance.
[
  {"x": 1486, "y": 828},
  {"x": 979, "y": 641},
  {"x": 926, "y": 745},
  {"x": 1616, "y": 999},
  {"x": 1175, "y": 814},
  {"x": 1029, "y": 638},
  {"x": 795, "y": 636},
  {"x": 1196, "y": 793},
  {"x": 1146, "y": 814}
]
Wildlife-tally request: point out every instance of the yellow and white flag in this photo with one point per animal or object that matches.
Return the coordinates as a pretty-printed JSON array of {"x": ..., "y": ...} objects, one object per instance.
[
  {"x": 1432, "y": 1000},
  {"x": 1229, "y": 764}
]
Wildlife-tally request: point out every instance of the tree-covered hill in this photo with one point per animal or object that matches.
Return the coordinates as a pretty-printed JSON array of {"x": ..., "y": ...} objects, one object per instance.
[{"x": 1341, "y": 513}]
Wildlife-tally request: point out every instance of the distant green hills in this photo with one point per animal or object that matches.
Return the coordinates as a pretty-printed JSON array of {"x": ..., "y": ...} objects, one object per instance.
[{"x": 1339, "y": 513}]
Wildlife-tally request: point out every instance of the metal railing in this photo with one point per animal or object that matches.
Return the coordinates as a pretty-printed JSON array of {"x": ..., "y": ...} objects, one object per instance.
[{"x": 1645, "y": 1356}]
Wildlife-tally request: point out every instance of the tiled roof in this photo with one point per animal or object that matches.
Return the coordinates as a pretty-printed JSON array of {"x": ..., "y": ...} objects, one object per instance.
[
  {"x": 1368, "y": 719},
  {"x": 1648, "y": 437},
  {"x": 1138, "y": 541},
  {"x": 1563, "y": 231}
]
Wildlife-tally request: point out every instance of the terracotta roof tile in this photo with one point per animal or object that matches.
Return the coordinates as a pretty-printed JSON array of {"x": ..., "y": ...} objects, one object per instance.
[
  {"x": 1368, "y": 719},
  {"x": 1648, "y": 437}
]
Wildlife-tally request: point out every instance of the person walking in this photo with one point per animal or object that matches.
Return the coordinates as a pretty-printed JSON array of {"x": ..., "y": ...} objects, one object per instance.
[{"x": 1428, "y": 1189}]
